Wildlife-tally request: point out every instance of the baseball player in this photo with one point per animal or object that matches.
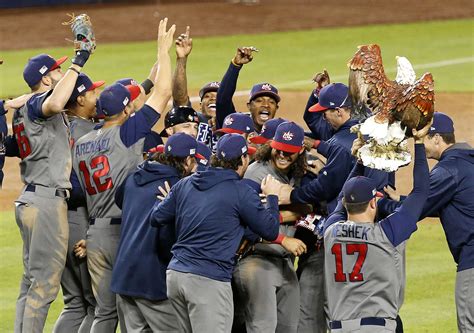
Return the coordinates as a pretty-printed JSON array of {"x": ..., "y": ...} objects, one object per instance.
[
  {"x": 450, "y": 198},
  {"x": 264, "y": 98},
  {"x": 139, "y": 274},
  {"x": 102, "y": 160},
  {"x": 364, "y": 262},
  {"x": 207, "y": 94},
  {"x": 181, "y": 119},
  {"x": 79, "y": 302},
  {"x": 330, "y": 119},
  {"x": 265, "y": 281},
  {"x": 42, "y": 133},
  {"x": 238, "y": 123},
  {"x": 199, "y": 274},
  {"x": 8, "y": 144}
]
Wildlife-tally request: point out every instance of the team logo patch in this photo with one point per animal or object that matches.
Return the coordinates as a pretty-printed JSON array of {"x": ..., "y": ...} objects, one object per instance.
[
  {"x": 331, "y": 103},
  {"x": 43, "y": 69},
  {"x": 192, "y": 151},
  {"x": 223, "y": 154},
  {"x": 81, "y": 88},
  {"x": 266, "y": 86},
  {"x": 432, "y": 129},
  {"x": 228, "y": 121},
  {"x": 288, "y": 136},
  {"x": 125, "y": 101},
  {"x": 169, "y": 148},
  {"x": 374, "y": 191},
  {"x": 244, "y": 149}
]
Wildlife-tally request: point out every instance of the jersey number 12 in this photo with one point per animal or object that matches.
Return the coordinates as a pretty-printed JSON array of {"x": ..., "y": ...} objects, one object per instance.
[
  {"x": 101, "y": 166},
  {"x": 351, "y": 248}
]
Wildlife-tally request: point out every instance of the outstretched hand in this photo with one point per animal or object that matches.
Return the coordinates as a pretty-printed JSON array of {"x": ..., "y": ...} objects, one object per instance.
[
  {"x": 184, "y": 44},
  {"x": 244, "y": 55},
  {"x": 165, "y": 37},
  {"x": 419, "y": 136},
  {"x": 164, "y": 191},
  {"x": 321, "y": 79}
]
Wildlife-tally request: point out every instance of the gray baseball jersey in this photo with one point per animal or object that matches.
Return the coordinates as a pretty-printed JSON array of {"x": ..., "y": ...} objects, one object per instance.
[
  {"x": 79, "y": 127},
  {"x": 102, "y": 162},
  {"x": 363, "y": 271},
  {"x": 44, "y": 143},
  {"x": 257, "y": 171}
]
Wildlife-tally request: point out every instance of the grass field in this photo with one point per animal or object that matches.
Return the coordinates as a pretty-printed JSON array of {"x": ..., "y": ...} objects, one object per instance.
[
  {"x": 288, "y": 59},
  {"x": 429, "y": 301}
]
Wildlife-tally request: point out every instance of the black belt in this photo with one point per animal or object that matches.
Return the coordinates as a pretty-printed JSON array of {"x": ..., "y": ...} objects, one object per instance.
[
  {"x": 112, "y": 221},
  {"x": 60, "y": 192},
  {"x": 372, "y": 321}
]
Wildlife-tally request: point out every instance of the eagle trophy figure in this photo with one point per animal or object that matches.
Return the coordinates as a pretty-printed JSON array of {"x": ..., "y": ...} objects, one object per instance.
[{"x": 390, "y": 109}]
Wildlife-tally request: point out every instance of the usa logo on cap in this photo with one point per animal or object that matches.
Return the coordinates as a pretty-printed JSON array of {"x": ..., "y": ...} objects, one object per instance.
[
  {"x": 228, "y": 121},
  {"x": 287, "y": 136}
]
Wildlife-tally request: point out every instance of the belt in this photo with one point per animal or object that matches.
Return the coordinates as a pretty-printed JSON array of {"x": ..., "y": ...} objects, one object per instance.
[
  {"x": 112, "y": 221},
  {"x": 60, "y": 192},
  {"x": 372, "y": 321}
]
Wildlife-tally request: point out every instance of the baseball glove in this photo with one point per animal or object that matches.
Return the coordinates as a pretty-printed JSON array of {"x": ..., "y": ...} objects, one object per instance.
[{"x": 83, "y": 33}]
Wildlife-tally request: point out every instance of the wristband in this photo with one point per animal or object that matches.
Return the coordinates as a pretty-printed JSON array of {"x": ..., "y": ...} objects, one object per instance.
[
  {"x": 279, "y": 239},
  {"x": 81, "y": 58},
  {"x": 74, "y": 70},
  {"x": 147, "y": 85},
  {"x": 233, "y": 63},
  {"x": 316, "y": 144}
]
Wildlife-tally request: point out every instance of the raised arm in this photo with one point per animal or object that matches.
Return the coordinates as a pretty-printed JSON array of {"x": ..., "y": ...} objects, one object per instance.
[
  {"x": 184, "y": 45},
  {"x": 224, "y": 104},
  {"x": 402, "y": 223},
  {"x": 162, "y": 91}
]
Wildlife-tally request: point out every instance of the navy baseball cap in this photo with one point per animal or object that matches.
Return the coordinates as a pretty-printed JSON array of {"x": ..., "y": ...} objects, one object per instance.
[
  {"x": 332, "y": 96},
  {"x": 180, "y": 145},
  {"x": 360, "y": 189},
  {"x": 211, "y": 86},
  {"x": 84, "y": 84},
  {"x": 238, "y": 123},
  {"x": 179, "y": 115},
  {"x": 203, "y": 154},
  {"x": 39, "y": 66},
  {"x": 231, "y": 146},
  {"x": 264, "y": 89},
  {"x": 442, "y": 123},
  {"x": 289, "y": 137},
  {"x": 268, "y": 130},
  {"x": 116, "y": 97}
]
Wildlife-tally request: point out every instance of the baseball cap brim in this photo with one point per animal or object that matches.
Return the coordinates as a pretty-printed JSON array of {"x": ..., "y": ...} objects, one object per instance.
[
  {"x": 58, "y": 63},
  {"x": 265, "y": 93},
  {"x": 285, "y": 147},
  {"x": 96, "y": 84},
  {"x": 251, "y": 150},
  {"x": 317, "y": 108},
  {"x": 134, "y": 90},
  {"x": 157, "y": 149},
  {"x": 228, "y": 130},
  {"x": 258, "y": 139}
]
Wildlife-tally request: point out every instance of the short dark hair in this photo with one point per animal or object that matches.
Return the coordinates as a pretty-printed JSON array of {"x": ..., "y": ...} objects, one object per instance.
[
  {"x": 297, "y": 169},
  {"x": 448, "y": 138},
  {"x": 355, "y": 208},
  {"x": 176, "y": 162},
  {"x": 232, "y": 164}
]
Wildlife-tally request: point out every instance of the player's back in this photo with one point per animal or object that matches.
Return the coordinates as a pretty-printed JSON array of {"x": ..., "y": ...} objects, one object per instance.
[
  {"x": 363, "y": 271},
  {"x": 44, "y": 145},
  {"x": 102, "y": 162}
]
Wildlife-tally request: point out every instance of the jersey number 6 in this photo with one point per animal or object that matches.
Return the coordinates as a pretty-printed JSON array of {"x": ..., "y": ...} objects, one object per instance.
[
  {"x": 101, "y": 166},
  {"x": 351, "y": 248}
]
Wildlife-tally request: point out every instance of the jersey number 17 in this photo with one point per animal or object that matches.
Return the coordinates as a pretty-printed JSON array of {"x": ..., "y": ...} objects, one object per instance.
[{"x": 351, "y": 249}]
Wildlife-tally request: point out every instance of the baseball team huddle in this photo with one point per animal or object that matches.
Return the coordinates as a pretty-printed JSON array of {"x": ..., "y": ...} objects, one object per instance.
[{"x": 239, "y": 222}]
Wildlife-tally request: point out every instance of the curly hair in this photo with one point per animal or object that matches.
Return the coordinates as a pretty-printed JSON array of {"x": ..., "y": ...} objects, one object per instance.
[
  {"x": 176, "y": 162},
  {"x": 232, "y": 164},
  {"x": 297, "y": 169}
]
